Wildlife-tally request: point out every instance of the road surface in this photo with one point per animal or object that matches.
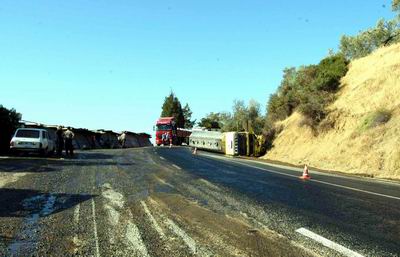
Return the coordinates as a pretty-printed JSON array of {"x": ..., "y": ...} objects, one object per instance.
[{"x": 168, "y": 202}]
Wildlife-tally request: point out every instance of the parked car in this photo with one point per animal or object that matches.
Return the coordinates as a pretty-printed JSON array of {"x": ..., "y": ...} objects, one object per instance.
[{"x": 32, "y": 140}]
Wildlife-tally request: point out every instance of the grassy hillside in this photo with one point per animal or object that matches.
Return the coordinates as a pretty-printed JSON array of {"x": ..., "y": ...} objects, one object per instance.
[{"x": 361, "y": 133}]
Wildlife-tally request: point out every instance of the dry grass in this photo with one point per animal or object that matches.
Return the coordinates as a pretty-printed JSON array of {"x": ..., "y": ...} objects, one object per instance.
[{"x": 371, "y": 86}]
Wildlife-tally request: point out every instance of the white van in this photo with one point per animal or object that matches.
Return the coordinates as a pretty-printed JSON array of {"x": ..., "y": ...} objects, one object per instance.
[{"x": 32, "y": 140}]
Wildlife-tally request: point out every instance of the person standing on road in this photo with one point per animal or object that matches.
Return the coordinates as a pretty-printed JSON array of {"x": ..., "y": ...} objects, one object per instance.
[
  {"x": 60, "y": 140},
  {"x": 69, "y": 136},
  {"x": 122, "y": 139},
  {"x": 169, "y": 140}
]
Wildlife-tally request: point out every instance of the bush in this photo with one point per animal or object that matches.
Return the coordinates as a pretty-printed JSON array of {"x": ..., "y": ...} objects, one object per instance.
[
  {"x": 327, "y": 124},
  {"x": 9, "y": 122},
  {"x": 270, "y": 134},
  {"x": 309, "y": 89},
  {"x": 277, "y": 107},
  {"x": 375, "y": 119},
  {"x": 329, "y": 72}
]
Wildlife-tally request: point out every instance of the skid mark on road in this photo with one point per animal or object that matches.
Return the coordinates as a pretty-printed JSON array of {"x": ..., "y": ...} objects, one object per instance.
[
  {"x": 153, "y": 221},
  {"x": 76, "y": 214},
  {"x": 328, "y": 243},
  {"x": 182, "y": 234},
  {"x": 134, "y": 238},
  {"x": 7, "y": 178},
  {"x": 194, "y": 248},
  {"x": 114, "y": 206},
  {"x": 95, "y": 229}
]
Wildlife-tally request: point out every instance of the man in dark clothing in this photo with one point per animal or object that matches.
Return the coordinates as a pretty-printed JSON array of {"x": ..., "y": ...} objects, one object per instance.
[
  {"x": 60, "y": 140},
  {"x": 69, "y": 136}
]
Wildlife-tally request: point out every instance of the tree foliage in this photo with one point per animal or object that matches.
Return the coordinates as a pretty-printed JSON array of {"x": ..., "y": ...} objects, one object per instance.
[
  {"x": 364, "y": 43},
  {"x": 212, "y": 121},
  {"x": 9, "y": 122},
  {"x": 308, "y": 89},
  {"x": 396, "y": 5},
  {"x": 187, "y": 114},
  {"x": 173, "y": 108},
  {"x": 243, "y": 118}
]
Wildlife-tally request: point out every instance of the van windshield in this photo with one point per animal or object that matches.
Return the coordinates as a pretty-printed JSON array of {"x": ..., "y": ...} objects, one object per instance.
[{"x": 27, "y": 133}]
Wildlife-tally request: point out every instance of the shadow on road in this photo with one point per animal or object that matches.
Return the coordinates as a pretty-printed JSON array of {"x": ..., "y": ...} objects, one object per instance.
[
  {"x": 53, "y": 165},
  {"x": 25, "y": 202}
]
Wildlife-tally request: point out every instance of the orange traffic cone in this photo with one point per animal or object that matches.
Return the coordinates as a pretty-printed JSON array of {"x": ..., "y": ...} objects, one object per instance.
[
  {"x": 195, "y": 151},
  {"x": 305, "y": 173}
]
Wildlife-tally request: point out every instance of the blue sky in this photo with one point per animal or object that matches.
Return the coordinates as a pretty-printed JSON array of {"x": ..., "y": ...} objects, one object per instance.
[{"x": 109, "y": 64}]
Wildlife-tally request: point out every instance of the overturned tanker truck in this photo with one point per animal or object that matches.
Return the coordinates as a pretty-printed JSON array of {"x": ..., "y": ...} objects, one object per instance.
[{"x": 229, "y": 143}]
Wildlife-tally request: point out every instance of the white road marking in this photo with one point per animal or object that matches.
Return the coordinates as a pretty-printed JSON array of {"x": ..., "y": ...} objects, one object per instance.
[
  {"x": 356, "y": 189},
  {"x": 162, "y": 158},
  {"x": 153, "y": 221},
  {"x": 312, "y": 180},
  {"x": 164, "y": 182},
  {"x": 176, "y": 166},
  {"x": 328, "y": 243},
  {"x": 95, "y": 229}
]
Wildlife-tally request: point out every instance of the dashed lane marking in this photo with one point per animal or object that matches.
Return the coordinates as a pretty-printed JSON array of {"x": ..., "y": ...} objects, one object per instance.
[
  {"x": 176, "y": 166},
  {"x": 328, "y": 243},
  {"x": 95, "y": 229},
  {"x": 153, "y": 221},
  {"x": 313, "y": 180}
]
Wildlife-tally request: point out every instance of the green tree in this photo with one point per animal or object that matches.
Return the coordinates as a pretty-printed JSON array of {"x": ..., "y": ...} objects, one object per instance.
[
  {"x": 187, "y": 114},
  {"x": 329, "y": 72},
  {"x": 396, "y": 5},
  {"x": 255, "y": 117},
  {"x": 211, "y": 121},
  {"x": 9, "y": 122},
  {"x": 242, "y": 118},
  {"x": 173, "y": 108},
  {"x": 362, "y": 44}
]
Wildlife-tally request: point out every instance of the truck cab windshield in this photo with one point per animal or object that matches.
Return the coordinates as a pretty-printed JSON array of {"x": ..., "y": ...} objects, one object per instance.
[{"x": 164, "y": 127}]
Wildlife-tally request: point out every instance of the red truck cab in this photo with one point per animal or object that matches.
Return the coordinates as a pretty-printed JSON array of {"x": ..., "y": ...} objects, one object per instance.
[{"x": 167, "y": 126}]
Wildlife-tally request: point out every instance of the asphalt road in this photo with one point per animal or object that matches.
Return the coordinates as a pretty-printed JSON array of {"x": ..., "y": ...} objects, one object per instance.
[{"x": 168, "y": 202}]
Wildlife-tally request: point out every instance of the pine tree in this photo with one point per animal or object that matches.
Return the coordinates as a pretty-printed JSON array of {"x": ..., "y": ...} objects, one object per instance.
[
  {"x": 187, "y": 114},
  {"x": 173, "y": 108}
]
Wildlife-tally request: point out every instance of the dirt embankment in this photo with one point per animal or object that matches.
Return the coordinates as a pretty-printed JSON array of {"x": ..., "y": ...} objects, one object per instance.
[{"x": 371, "y": 85}]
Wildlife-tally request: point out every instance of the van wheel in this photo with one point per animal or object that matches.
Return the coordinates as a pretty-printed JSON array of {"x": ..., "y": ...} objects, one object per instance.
[
  {"x": 43, "y": 152},
  {"x": 51, "y": 153}
]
